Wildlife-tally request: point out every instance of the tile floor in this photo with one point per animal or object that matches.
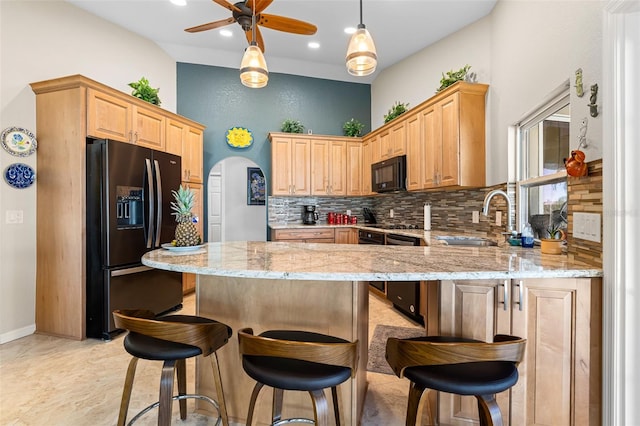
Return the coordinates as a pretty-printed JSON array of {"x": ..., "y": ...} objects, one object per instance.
[{"x": 51, "y": 381}]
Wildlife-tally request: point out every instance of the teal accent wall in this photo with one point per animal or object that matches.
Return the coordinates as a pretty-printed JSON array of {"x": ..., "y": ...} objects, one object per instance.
[{"x": 215, "y": 97}]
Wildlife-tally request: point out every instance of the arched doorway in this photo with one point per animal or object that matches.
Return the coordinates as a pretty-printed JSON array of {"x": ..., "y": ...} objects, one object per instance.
[{"x": 233, "y": 215}]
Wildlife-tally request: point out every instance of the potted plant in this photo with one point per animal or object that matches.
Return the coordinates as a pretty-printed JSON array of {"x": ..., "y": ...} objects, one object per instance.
[
  {"x": 396, "y": 110},
  {"x": 352, "y": 128},
  {"x": 292, "y": 126},
  {"x": 142, "y": 90},
  {"x": 455, "y": 76},
  {"x": 553, "y": 244}
]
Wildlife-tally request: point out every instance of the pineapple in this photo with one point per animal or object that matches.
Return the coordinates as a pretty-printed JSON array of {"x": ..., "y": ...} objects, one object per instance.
[{"x": 186, "y": 232}]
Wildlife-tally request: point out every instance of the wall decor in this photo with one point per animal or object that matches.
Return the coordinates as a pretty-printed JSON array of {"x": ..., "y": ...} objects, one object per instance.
[
  {"x": 579, "y": 88},
  {"x": 239, "y": 137},
  {"x": 255, "y": 187},
  {"x": 593, "y": 99},
  {"x": 18, "y": 141},
  {"x": 19, "y": 175}
]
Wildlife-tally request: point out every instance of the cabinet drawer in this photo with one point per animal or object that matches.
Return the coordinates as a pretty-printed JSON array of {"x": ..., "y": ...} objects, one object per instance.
[{"x": 303, "y": 234}]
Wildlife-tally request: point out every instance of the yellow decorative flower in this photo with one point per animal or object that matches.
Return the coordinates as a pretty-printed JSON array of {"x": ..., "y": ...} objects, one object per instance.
[{"x": 239, "y": 137}]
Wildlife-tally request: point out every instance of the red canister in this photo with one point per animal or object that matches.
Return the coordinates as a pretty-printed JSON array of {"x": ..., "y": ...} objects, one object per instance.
[
  {"x": 354, "y": 220},
  {"x": 331, "y": 218},
  {"x": 339, "y": 219}
]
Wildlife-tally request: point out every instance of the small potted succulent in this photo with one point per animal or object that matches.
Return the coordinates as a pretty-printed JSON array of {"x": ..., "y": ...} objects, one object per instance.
[
  {"x": 397, "y": 109},
  {"x": 553, "y": 244},
  {"x": 292, "y": 126},
  {"x": 352, "y": 128}
]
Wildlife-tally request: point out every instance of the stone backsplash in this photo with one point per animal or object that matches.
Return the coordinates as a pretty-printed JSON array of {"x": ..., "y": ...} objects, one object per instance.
[
  {"x": 585, "y": 195},
  {"x": 452, "y": 210}
]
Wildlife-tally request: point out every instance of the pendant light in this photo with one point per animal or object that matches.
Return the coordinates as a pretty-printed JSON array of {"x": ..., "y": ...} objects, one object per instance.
[
  {"x": 253, "y": 68},
  {"x": 361, "y": 53}
]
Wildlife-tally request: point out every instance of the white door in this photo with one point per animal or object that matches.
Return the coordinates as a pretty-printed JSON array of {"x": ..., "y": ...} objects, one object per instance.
[{"x": 216, "y": 195}]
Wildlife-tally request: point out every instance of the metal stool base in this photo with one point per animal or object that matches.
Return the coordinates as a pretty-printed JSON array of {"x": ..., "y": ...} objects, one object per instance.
[{"x": 177, "y": 398}]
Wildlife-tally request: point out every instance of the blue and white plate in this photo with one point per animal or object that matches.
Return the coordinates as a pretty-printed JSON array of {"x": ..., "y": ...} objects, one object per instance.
[
  {"x": 19, "y": 175},
  {"x": 17, "y": 141}
]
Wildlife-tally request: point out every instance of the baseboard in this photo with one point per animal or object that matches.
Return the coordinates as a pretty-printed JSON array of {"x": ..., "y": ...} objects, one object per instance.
[{"x": 17, "y": 334}]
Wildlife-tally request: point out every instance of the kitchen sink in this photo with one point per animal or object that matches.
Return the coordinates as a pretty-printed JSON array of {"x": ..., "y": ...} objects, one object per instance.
[{"x": 456, "y": 240}]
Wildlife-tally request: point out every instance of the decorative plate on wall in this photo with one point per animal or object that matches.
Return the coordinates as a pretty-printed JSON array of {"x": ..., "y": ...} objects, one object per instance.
[
  {"x": 239, "y": 137},
  {"x": 19, "y": 142},
  {"x": 19, "y": 175}
]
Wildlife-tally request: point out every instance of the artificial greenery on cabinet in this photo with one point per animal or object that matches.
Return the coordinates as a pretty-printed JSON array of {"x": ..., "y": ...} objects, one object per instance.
[
  {"x": 142, "y": 90},
  {"x": 397, "y": 109},
  {"x": 352, "y": 128},
  {"x": 292, "y": 126}
]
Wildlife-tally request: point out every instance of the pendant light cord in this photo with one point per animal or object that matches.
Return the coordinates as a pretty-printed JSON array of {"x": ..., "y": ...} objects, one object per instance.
[
  {"x": 360, "y": 12},
  {"x": 253, "y": 22}
]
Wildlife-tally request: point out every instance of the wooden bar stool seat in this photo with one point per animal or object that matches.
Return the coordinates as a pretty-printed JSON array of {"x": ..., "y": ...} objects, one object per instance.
[
  {"x": 457, "y": 365},
  {"x": 171, "y": 339},
  {"x": 300, "y": 361}
]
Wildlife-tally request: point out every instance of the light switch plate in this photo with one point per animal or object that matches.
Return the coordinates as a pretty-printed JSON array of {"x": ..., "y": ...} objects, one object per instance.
[
  {"x": 14, "y": 217},
  {"x": 475, "y": 216},
  {"x": 586, "y": 226},
  {"x": 498, "y": 218}
]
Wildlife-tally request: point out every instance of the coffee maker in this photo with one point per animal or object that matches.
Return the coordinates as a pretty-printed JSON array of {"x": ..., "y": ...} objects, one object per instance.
[{"x": 309, "y": 215}]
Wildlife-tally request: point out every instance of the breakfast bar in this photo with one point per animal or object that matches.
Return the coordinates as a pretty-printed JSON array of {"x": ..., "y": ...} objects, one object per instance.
[{"x": 323, "y": 288}]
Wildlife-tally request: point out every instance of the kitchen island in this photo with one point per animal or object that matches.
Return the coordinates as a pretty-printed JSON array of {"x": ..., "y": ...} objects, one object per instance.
[{"x": 322, "y": 287}]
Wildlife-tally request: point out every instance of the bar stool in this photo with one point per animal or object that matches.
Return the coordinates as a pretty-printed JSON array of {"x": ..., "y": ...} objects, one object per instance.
[
  {"x": 171, "y": 339},
  {"x": 457, "y": 365},
  {"x": 301, "y": 361}
]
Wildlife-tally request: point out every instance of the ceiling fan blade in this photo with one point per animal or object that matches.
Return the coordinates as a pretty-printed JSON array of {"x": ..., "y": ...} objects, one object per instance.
[
  {"x": 211, "y": 25},
  {"x": 259, "y": 39},
  {"x": 260, "y": 4},
  {"x": 288, "y": 25},
  {"x": 227, "y": 5}
]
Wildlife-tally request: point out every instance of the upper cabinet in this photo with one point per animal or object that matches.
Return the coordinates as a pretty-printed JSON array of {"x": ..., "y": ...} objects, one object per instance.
[
  {"x": 186, "y": 141},
  {"x": 443, "y": 138},
  {"x": 315, "y": 165},
  {"x": 112, "y": 117}
]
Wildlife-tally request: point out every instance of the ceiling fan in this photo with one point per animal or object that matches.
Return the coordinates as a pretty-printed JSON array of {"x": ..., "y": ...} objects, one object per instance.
[{"x": 242, "y": 13}]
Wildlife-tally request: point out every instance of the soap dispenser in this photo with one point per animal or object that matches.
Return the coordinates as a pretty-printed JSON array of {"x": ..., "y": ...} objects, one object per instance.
[{"x": 527, "y": 236}]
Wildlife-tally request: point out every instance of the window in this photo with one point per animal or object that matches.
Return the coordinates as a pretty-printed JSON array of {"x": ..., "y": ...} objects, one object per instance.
[{"x": 542, "y": 139}]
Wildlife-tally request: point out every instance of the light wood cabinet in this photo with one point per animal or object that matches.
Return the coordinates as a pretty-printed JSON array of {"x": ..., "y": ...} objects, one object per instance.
[
  {"x": 192, "y": 151},
  {"x": 414, "y": 152},
  {"x": 346, "y": 236},
  {"x": 367, "y": 155},
  {"x": 290, "y": 165},
  {"x": 68, "y": 111},
  {"x": 311, "y": 235},
  {"x": 112, "y": 117},
  {"x": 453, "y": 133},
  {"x": 354, "y": 171},
  {"x": 328, "y": 167},
  {"x": 559, "y": 377}
]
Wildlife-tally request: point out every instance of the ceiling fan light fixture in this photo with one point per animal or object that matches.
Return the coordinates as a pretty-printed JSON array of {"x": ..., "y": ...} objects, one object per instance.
[
  {"x": 253, "y": 68},
  {"x": 361, "y": 58}
]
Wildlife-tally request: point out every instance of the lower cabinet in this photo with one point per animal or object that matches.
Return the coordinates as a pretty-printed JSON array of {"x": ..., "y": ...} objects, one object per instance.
[
  {"x": 559, "y": 377},
  {"x": 346, "y": 236},
  {"x": 189, "y": 280},
  {"x": 315, "y": 235}
]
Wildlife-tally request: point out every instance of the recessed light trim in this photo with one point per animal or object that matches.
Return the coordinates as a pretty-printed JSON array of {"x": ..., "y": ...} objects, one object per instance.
[
  {"x": 179, "y": 2},
  {"x": 226, "y": 33},
  {"x": 313, "y": 45}
]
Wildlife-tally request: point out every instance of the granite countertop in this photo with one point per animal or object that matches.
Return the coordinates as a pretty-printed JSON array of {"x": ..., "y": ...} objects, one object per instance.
[{"x": 343, "y": 262}]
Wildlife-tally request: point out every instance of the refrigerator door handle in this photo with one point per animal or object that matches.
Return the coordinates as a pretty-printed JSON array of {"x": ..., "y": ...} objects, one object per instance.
[
  {"x": 151, "y": 203},
  {"x": 159, "y": 193},
  {"x": 129, "y": 271}
]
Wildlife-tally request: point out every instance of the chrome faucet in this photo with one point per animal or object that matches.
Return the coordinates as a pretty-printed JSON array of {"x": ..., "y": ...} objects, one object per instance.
[{"x": 485, "y": 208}]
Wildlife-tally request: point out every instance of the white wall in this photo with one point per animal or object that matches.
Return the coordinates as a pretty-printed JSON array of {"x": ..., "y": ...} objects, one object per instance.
[
  {"x": 40, "y": 41},
  {"x": 523, "y": 50},
  {"x": 241, "y": 222}
]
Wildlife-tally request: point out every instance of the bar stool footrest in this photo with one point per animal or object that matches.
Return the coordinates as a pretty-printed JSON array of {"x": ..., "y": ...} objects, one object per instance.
[
  {"x": 294, "y": 420},
  {"x": 178, "y": 398}
]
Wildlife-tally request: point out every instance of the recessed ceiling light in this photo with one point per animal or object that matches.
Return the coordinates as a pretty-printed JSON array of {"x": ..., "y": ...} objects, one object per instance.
[
  {"x": 179, "y": 2},
  {"x": 314, "y": 45},
  {"x": 350, "y": 30},
  {"x": 226, "y": 33}
]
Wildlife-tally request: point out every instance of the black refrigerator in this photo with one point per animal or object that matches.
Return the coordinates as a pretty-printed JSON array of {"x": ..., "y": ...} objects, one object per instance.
[{"x": 128, "y": 213}]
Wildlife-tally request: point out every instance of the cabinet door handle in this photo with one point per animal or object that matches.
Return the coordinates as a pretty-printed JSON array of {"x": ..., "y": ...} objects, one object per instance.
[
  {"x": 505, "y": 294},
  {"x": 520, "y": 301}
]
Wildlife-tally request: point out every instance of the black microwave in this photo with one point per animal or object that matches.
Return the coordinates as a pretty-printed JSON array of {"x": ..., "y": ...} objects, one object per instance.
[{"x": 389, "y": 175}]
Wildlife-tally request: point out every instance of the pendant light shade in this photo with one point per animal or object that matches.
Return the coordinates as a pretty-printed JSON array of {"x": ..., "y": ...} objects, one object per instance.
[
  {"x": 253, "y": 68},
  {"x": 361, "y": 53}
]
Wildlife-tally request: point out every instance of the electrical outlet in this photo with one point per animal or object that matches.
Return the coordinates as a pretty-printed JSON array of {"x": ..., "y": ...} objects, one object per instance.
[
  {"x": 14, "y": 217},
  {"x": 348, "y": 212},
  {"x": 498, "y": 218},
  {"x": 586, "y": 226},
  {"x": 475, "y": 216},
  {"x": 391, "y": 213}
]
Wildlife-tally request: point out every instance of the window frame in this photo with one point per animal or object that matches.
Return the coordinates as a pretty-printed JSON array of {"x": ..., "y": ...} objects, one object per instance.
[{"x": 554, "y": 102}]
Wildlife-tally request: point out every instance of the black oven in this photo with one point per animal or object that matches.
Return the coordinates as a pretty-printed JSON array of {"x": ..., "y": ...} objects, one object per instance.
[
  {"x": 389, "y": 175},
  {"x": 376, "y": 238},
  {"x": 405, "y": 295}
]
